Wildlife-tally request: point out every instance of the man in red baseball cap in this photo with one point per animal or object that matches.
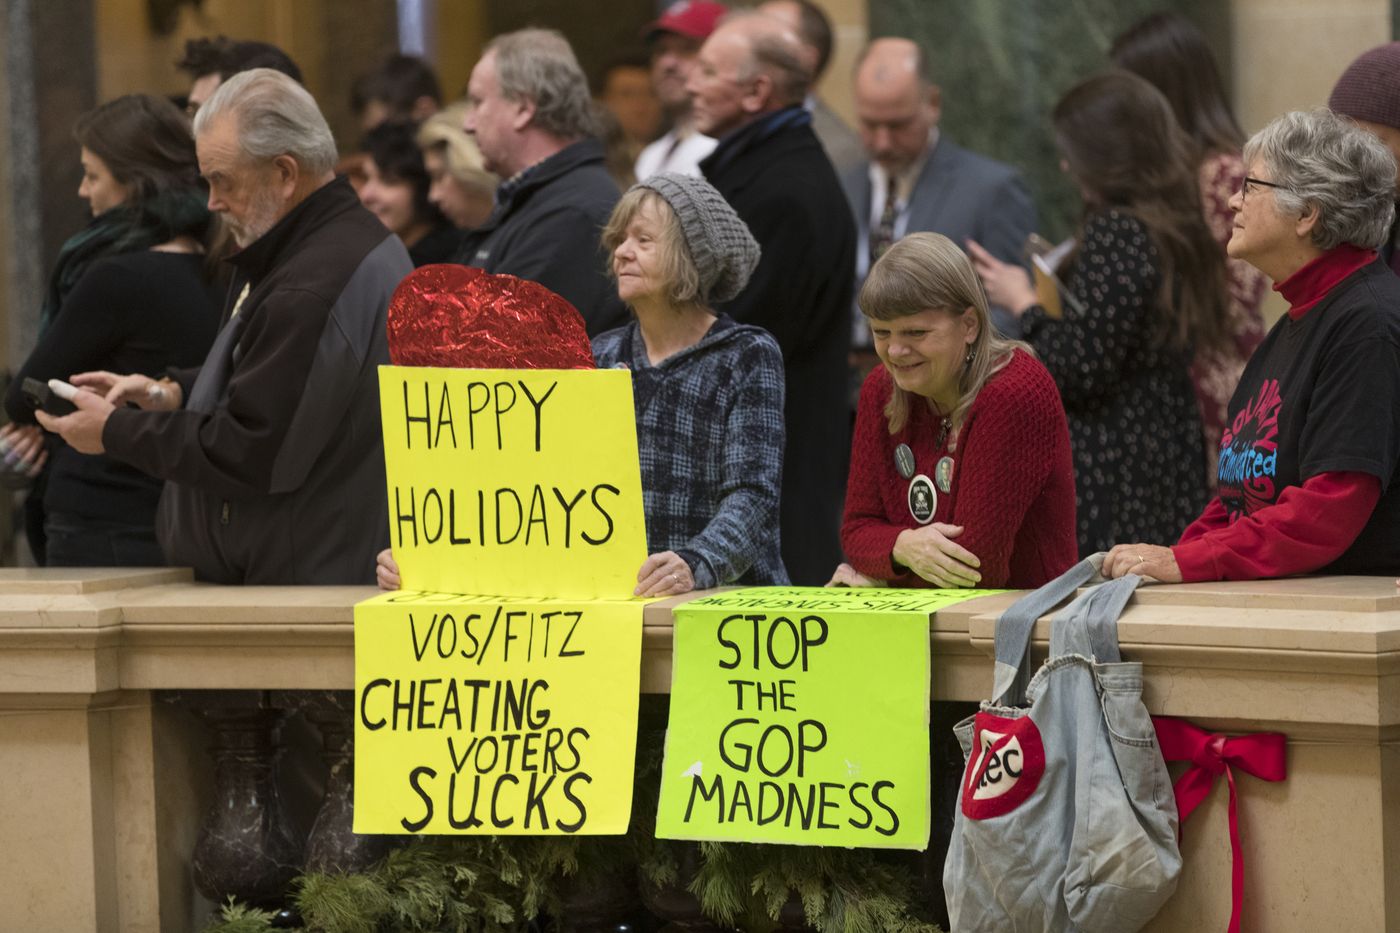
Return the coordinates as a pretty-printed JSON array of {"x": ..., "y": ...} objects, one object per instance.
[{"x": 673, "y": 40}]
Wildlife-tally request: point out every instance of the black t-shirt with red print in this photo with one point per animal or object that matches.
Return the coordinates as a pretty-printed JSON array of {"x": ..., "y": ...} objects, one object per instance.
[{"x": 1320, "y": 395}]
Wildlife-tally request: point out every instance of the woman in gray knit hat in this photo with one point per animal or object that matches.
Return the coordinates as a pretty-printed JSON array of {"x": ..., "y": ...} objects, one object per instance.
[{"x": 708, "y": 391}]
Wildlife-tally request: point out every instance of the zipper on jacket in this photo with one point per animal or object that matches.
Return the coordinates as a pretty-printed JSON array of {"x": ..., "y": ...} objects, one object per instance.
[{"x": 223, "y": 514}]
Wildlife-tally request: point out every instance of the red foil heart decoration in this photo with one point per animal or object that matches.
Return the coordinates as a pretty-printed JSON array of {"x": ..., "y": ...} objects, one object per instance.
[{"x": 463, "y": 318}]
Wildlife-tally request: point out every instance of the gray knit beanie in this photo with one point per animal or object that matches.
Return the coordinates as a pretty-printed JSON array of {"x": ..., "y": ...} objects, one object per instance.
[
  {"x": 1370, "y": 87},
  {"x": 721, "y": 246}
]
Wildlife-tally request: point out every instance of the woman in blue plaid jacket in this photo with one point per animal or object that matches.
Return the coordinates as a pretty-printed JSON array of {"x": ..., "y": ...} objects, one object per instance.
[{"x": 708, "y": 391}]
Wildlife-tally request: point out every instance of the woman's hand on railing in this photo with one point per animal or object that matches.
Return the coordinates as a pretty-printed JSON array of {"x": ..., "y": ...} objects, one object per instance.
[
  {"x": 1145, "y": 560},
  {"x": 846, "y": 575},
  {"x": 664, "y": 574}
]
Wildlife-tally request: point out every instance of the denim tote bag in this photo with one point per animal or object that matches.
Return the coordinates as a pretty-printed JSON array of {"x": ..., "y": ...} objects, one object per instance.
[{"x": 1066, "y": 818}]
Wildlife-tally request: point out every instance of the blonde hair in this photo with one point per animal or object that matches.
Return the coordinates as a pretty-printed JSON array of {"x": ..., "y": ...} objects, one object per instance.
[
  {"x": 927, "y": 271},
  {"x": 459, "y": 150},
  {"x": 677, "y": 266}
]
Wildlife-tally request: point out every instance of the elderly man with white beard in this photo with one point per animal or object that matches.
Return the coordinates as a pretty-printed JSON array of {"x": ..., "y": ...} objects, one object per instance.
[{"x": 271, "y": 450}]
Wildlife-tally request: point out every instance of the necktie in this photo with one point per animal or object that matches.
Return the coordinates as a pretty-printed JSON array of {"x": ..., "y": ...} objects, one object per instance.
[{"x": 882, "y": 236}]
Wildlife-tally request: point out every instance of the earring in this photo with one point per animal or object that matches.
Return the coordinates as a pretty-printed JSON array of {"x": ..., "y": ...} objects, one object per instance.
[{"x": 971, "y": 355}]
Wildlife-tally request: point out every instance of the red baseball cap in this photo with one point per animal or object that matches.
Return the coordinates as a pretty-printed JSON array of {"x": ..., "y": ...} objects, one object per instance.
[{"x": 693, "y": 18}]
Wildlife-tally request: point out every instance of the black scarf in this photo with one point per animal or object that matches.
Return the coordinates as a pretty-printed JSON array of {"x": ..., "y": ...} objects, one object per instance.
[{"x": 124, "y": 229}]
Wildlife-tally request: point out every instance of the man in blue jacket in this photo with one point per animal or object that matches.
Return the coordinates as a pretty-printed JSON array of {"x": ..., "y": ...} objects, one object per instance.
[{"x": 531, "y": 115}]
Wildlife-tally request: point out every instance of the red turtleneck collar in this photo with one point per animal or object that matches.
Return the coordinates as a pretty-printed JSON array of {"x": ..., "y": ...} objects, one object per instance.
[{"x": 1310, "y": 284}]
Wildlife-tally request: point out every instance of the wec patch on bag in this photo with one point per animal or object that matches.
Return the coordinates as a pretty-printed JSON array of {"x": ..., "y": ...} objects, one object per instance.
[
  {"x": 1085, "y": 840},
  {"x": 1004, "y": 768}
]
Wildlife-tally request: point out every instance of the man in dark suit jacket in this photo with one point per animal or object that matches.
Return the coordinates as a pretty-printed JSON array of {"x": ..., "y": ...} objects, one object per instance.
[
  {"x": 937, "y": 186},
  {"x": 812, "y": 26},
  {"x": 748, "y": 89}
]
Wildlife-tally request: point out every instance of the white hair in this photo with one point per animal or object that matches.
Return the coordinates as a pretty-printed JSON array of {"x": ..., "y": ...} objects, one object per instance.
[
  {"x": 276, "y": 116},
  {"x": 1319, "y": 158}
]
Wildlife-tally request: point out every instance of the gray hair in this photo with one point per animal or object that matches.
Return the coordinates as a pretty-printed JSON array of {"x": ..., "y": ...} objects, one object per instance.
[
  {"x": 538, "y": 65},
  {"x": 276, "y": 116},
  {"x": 1325, "y": 161}
]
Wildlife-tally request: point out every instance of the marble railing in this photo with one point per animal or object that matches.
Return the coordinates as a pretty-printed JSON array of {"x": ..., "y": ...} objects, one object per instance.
[{"x": 132, "y": 700}]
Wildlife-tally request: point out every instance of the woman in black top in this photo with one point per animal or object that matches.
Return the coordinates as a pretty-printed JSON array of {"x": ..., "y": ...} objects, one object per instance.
[
  {"x": 1309, "y": 464},
  {"x": 1145, "y": 288},
  {"x": 129, "y": 293}
]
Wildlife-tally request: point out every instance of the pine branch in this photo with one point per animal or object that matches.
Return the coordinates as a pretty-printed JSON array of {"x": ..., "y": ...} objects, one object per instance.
[{"x": 240, "y": 918}]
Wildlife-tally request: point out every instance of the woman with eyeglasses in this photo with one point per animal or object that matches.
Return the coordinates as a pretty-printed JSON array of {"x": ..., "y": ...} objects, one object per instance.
[
  {"x": 1145, "y": 289},
  {"x": 1311, "y": 451}
]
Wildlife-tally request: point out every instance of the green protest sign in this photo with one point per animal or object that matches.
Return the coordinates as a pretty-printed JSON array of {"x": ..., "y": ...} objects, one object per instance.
[{"x": 800, "y": 715}]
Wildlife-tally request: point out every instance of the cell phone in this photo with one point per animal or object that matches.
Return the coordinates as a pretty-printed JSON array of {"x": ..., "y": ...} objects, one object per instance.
[{"x": 42, "y": 398}]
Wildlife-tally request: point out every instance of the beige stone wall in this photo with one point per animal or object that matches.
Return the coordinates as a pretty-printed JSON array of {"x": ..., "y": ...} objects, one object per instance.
[
  {"x": 1288, "y": 53},
  {"x": 851, "y": 24},
  {"x": 106, "y": 787},
  {"x": 131, "y": 60},
  {"x": 332, "y": 41}
]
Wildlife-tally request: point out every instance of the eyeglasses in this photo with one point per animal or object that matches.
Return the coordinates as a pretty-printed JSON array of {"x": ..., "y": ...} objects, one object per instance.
[{"x": 1257, "y": 183}]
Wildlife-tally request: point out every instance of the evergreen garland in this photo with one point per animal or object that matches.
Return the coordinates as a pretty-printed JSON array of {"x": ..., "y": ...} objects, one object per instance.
[
  {"x": 499, "y": 884},
  {"x": 240, "y": 918}
]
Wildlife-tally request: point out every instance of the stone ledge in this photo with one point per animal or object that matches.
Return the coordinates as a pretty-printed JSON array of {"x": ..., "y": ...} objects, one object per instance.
[{"x": 1336, "y": 641}]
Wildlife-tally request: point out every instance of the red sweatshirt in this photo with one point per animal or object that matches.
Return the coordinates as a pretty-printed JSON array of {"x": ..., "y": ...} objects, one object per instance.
[
  {"x": 1308, "y": 526},
  {"x": 1012, "y": 486}
]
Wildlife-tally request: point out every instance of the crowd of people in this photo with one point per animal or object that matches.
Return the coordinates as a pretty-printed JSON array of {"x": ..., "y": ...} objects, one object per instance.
[{"x": 847, "y": 369}]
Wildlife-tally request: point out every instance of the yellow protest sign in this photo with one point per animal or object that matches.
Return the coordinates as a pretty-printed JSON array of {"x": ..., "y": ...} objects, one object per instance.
[
  {"x": 800, "y": 715},
  {"x": 495, "y": 715},
  {"x": 513, "y": 481}
]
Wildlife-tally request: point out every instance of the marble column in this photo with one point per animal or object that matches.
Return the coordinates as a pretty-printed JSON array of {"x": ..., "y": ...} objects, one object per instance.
[
  {"x": 1002, "y": 66},
  {"x": 49, "y": 79}
]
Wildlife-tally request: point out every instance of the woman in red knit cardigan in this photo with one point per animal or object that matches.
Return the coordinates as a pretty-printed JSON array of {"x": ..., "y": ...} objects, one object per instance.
[{"x": 960, "y": 467}]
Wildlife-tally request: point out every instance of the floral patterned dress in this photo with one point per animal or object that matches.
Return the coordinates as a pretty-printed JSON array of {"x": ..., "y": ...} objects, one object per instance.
[{"x": 1215, "y": 373}]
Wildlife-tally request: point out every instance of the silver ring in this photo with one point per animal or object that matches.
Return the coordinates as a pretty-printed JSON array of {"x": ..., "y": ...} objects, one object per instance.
[
  {"x": 675, "y": 578},
  {"x": 1141, "y": 559}
]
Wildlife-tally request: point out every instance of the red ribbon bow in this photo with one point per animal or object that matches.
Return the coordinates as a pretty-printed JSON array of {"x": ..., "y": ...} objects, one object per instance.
[{"x": 1261, "y": 754}]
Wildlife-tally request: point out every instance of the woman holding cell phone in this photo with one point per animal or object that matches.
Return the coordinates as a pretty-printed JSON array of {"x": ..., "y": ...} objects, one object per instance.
[{"x": 130, "y": 293}]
